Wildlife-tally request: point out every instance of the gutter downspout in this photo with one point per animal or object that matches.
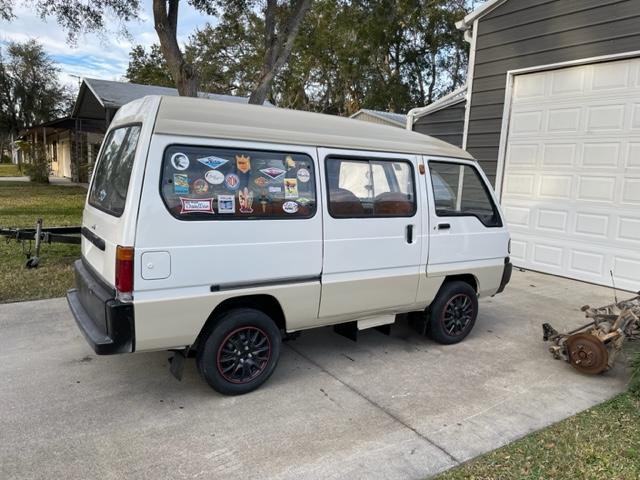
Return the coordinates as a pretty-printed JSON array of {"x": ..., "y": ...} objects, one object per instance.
[{"x": 410, "y": 115}]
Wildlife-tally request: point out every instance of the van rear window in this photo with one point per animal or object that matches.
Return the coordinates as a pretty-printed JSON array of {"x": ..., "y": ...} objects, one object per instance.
[
  {"x": 113, "y": 171},
  {"x": 209, "y": 183}
]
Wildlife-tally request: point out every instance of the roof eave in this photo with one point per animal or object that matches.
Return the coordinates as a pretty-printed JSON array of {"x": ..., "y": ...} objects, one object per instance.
[
  {"x": 453, "y": 98},
  {"x": 467, "y": 22}
]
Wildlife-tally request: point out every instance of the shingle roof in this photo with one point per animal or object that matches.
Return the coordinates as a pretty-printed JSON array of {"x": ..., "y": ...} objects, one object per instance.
[
  {"x": 397, "y": 118},
  {"x": 115, "y": 94},
  {"x": 112, "y": 94}
]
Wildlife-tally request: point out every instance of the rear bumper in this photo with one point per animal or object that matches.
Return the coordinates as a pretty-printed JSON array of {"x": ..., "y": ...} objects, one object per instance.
[
  {"x": 506, "y": 274},
  {"x": 106, "y": 323}
]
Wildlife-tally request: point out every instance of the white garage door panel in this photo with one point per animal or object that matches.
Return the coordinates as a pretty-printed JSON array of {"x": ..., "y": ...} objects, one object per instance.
[{"x": 571, "y": 189}]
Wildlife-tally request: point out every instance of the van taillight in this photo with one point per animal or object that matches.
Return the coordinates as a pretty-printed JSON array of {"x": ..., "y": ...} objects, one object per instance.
[{"x": 124, "y": 269}]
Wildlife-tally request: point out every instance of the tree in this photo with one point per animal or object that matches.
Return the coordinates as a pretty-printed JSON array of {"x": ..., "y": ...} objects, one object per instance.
[
  {"x": 379, "y": 54},
  {"x": 282, "y": 21},
  {"x": 281, "y": 24},
  {"x": 148, "y": 68},
  {"x": 30, "y": 92}
]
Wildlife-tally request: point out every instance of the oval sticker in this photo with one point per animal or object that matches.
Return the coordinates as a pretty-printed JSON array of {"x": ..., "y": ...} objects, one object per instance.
[
  {"x": 232, "y": 181},
  {"x": 214, "y": 177},
  {"x": 290, "y": 207},
  {"x": 303, "y": 175}
]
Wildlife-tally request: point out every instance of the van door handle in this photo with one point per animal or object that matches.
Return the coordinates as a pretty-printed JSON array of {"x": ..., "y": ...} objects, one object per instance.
[
  {"x": 444, "y": 226},
  {"x": 409, "y": 233}
]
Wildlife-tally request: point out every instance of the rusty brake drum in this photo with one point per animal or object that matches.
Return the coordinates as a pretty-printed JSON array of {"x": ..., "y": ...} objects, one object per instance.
[{"x": 587, "y": 353}]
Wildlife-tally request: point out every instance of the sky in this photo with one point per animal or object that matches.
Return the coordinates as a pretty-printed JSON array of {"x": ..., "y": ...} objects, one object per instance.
[{"x": 96, "y": 56}]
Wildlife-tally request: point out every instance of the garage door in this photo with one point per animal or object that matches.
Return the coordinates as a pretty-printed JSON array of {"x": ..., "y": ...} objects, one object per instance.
[{"x": 571, "y": 189}]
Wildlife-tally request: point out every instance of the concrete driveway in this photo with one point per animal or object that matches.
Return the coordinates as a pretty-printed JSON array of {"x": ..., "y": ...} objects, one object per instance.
[{"x": 385, "y": 407}]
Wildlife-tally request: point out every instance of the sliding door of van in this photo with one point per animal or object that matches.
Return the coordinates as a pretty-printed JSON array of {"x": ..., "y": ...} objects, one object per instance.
[{"x": 372, "y": 232}]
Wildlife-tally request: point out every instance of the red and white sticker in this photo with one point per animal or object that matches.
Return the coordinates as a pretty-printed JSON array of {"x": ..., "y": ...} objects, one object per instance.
[
  {"x": 273, "y": 172},
  {"x": 190, "y": 205}
]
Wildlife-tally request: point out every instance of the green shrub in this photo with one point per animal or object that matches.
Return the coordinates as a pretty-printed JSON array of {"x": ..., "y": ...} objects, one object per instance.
[
  {"x": 38, "y": 169},
  {"x": 5, "y": 158}
]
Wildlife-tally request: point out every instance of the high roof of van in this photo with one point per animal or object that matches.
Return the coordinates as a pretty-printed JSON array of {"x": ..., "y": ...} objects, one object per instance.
[{"x": 198, "y": 117}]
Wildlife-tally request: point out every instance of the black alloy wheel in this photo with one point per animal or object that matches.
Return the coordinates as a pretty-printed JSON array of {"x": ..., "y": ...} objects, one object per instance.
[
  {"x": 239, "y": 351},
  {"x": 458, "y": 312},
  {"x": 243, "y": 354},
  {"x": 453, "y": 313}
]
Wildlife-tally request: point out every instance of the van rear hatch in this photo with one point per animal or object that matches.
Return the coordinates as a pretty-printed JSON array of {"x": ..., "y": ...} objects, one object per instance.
[
  {"x": 106, "y": 217},
  {"x": 103, "y": 314}
]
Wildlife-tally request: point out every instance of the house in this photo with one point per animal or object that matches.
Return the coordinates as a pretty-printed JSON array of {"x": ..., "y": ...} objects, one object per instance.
[
  {"x": 552, "y": 113},
  {"x": 382, "y": 118},
  {"x": 443, "y": 119},
  {"x": 72, "y": 143}
]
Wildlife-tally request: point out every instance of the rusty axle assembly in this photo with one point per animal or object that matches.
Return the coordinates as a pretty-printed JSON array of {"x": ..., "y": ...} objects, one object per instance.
[{"x": 593, "y": 348}]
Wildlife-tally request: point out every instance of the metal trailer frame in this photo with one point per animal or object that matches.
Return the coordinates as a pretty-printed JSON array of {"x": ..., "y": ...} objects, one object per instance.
[{"x": 39, "y": 234}]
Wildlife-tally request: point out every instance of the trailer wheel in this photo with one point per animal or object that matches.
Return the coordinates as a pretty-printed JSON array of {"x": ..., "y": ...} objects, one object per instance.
[
  {"x": 32, "y": 262},
  {"x": 240, "y": 351},
  {"x": 453, "y": 313}
]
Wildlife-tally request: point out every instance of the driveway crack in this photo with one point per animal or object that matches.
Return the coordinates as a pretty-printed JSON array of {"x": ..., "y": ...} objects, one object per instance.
[{"x": 378, "y": 406}]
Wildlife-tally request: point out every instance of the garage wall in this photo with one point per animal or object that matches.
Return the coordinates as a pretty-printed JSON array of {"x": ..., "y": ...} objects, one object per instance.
[
  {"x": 527, "y": 33},
  {"x": 446, "y": 124}
]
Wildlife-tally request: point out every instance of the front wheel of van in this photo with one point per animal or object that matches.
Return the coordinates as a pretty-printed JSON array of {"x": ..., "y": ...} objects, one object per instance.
[
  {"x": 240, "y": 351},
  {"x": 453, "y": 313}
]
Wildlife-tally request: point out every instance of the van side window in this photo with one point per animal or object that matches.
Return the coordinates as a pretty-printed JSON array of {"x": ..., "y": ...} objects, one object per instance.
[
  {"x": 459, "y": 190},
  {"x": 209, "y": 183},
  {"x": 113, "y": 171},
  {"x": 370, "y": 188}
]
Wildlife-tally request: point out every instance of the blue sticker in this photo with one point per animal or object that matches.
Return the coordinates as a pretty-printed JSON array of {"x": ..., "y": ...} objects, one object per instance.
[
  {"x": 212, "y": 162},
  {"x": 232, "y": 181},
  {"x": 180, "y": 183}
]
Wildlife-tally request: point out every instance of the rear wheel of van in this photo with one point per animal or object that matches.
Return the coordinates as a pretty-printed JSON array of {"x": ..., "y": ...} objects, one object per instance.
[
  {"x": 453, "y": 313},
  {"x": 240, "y": 351}
]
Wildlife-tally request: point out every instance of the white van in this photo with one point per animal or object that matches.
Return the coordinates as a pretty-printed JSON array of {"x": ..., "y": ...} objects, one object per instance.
[{"x": 218, "y": 228}]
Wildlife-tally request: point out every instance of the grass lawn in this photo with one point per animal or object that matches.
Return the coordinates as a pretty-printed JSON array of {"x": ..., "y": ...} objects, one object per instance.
[
  {"x": 20, "y": 206},
  {"x": 9, "y": 170},
  {"x": 600, "y": 443}
]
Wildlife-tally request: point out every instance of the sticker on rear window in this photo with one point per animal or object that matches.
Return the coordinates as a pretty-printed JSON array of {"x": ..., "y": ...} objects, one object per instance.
[
  {"x": 232, "y": 181},
  {"x": 290, "y": 188},
  {"x": 261, "y": 182},
  {"x": 303, "y": 175},
  {"x": 212, "y": 162},
  {"x": 214, "y": 177},
  {"x": 200, "y": 186},
  {"x": 273, "y": 172},
  {"x": 245, "y": 198},
  {"x": 180, "y": 183},
  {"x": 180, "y": 161},
  {"x": 243, "y": 163},
  {"x": 290, "y": 207},
  {"x": 190, "y": 205},
  {"x": 226, "y": 204}
]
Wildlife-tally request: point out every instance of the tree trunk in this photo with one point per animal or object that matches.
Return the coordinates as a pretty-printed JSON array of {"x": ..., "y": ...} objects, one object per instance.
[
  {"x": 278, "y": 46},
  {"x": 166, "y": 26},
  {"x": 434, "y": 74}
]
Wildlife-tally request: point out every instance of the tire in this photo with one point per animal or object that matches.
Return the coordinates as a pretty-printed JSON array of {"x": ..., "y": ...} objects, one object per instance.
[
  {"x": 225, "y": 365},
  {"x": 453, "y": 313}
]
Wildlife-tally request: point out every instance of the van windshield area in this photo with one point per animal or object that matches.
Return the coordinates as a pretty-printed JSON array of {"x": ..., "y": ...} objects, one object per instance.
[{"x": 111, "y": 176}]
